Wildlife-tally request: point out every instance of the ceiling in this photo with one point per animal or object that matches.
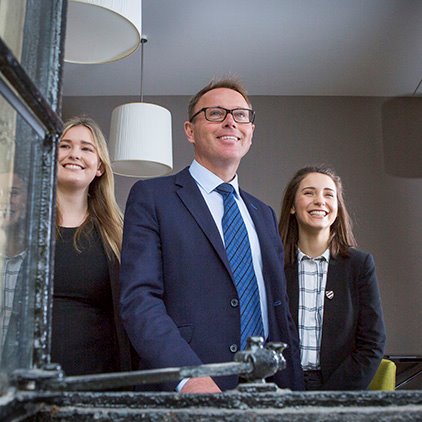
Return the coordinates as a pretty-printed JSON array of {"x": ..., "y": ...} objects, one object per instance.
[{"x": 276, "y": 47}]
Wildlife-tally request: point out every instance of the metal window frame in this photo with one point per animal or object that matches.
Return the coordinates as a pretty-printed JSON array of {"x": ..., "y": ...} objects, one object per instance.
[{"x": 40, "y": 112}]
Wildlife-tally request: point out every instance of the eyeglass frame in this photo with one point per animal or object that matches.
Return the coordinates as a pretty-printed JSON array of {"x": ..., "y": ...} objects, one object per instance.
[{"x": 204, "y": 109}]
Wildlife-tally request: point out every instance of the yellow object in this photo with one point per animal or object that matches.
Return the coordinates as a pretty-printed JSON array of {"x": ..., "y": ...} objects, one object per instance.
[{"x": 385, "y": 377}]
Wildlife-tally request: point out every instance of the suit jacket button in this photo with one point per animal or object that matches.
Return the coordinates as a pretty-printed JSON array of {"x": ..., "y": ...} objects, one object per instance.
[
  {"x": 234, "y": 303},
  {"x": 233, "y": 348}
]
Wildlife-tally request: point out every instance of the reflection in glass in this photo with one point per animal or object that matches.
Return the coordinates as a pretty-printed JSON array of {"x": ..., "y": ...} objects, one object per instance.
[
  {"x": 13, "y": 195},
  {"x": 16, "y": 297}
]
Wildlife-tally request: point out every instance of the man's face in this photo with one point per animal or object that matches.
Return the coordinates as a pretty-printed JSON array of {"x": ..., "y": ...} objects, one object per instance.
[
  {"x": 13, "y": 196},
  {"x": 219, "y": 144}
]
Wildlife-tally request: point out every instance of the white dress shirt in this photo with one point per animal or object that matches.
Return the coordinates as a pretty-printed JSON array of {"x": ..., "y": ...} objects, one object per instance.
[{"x": 207, "y": 182}]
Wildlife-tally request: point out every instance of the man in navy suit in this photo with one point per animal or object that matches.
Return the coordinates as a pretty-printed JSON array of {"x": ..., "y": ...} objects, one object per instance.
[{"x": 179, "y": 303}]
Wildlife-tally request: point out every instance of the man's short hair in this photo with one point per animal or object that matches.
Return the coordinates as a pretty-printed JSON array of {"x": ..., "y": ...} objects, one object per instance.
[{"x": 229, "y": 83}]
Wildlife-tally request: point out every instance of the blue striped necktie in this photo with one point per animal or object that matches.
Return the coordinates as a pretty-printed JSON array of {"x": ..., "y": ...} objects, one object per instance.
[{"x": 239, "y": 255}]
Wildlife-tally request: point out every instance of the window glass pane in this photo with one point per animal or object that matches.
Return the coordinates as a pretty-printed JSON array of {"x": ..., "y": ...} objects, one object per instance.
[
  {"x": 12, "y": 17},
  {"x": 19, "y": 155}
]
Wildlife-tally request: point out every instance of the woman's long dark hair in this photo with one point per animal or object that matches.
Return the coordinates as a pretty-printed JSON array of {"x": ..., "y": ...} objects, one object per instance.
[{"x": 341, "y": 234}]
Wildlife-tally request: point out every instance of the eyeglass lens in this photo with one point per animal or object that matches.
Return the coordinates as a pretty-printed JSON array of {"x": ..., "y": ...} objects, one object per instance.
[{"x": 218, "y": 114}]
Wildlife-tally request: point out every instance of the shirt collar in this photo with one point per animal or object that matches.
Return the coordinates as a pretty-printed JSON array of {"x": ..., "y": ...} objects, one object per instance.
[
  {"x": 324, "y": 256},
  {"x": 208, "y": 180}
]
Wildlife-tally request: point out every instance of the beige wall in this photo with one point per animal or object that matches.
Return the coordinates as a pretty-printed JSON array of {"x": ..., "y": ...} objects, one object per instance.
[{"x": 344, "y": 132}]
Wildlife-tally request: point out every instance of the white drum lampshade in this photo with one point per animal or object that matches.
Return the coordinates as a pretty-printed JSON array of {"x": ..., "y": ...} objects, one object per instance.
[
  {"x": 140, "y": 140},
  {"x": 100, "y": 31}
]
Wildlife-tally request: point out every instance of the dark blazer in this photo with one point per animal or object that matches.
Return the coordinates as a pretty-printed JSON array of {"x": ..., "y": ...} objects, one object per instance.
[
  {"x": 353, "y": 333},
  {"x": 176, "y": 285}
]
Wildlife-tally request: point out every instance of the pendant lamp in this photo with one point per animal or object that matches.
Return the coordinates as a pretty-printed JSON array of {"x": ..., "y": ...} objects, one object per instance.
[
  {"x": 140, "y": 140},
  {"x": 101, "y": 31}
]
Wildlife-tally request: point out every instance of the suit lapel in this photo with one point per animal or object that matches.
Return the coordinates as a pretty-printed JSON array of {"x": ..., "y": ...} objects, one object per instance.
[
  {"x": 261, "y": 227},
  {"x": 257, "y": 218},
  {"x": 194, "y": 202}
]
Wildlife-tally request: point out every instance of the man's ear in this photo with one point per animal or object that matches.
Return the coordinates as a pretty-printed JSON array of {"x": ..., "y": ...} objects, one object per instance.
[{"x": 189, "y": 131}]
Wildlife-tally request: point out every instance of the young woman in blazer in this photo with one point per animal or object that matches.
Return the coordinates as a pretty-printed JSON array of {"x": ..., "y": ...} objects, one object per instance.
[
  {"x": 87, "y": 335},
  {"x": 332, "y": 286}
]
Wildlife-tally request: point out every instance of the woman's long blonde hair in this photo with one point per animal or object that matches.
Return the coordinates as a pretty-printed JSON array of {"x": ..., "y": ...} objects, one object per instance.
[{"x": 103, "y": 211}]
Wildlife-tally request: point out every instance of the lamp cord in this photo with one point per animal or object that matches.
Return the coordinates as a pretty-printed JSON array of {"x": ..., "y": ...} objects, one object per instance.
[
  {"x": 143, "y": 41},
  {"x": 416, "y": 90}
]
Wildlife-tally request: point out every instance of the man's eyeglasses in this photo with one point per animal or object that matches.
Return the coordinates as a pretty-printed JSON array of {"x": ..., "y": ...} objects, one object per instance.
[{"x": 218, "y": 114}]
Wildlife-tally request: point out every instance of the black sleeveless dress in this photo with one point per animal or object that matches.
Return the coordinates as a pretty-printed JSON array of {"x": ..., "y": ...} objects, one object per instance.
[{"x": 83, "y": 335}]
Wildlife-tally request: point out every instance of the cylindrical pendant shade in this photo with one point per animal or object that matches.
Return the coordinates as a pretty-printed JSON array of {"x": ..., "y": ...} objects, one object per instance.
[
  {"x": 141, "y": 140},
  {"x": 100, "y": 31}
]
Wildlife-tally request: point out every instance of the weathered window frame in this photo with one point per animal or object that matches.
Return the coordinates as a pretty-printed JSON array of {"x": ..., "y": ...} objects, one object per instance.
[{"x": 32, "y": 87}]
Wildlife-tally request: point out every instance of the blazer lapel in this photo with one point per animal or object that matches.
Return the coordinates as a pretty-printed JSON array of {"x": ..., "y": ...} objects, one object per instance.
[
  {"x": 331, "y": 306},
  {"x": 293, "y": 290},
  {"x": 194, "y": 202}
]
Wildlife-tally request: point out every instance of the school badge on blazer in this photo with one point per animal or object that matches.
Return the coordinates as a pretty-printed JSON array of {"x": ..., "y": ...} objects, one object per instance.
[{"x": 329, "y": 294}]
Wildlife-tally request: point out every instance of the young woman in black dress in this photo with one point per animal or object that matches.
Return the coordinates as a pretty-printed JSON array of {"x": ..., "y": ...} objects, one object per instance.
[{"x": 87, "y": 335}]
